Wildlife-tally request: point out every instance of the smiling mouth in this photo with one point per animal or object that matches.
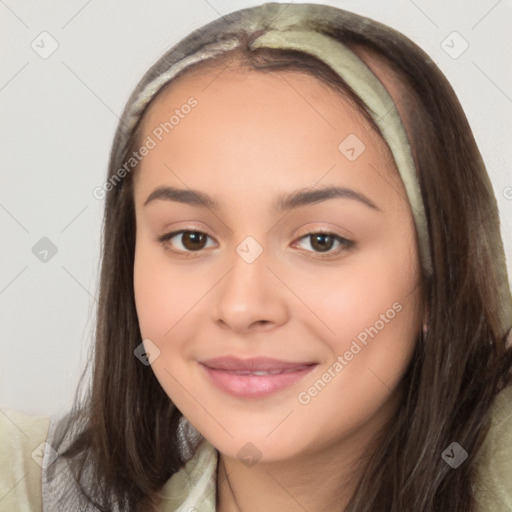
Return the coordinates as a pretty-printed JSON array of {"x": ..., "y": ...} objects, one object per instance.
[{"x": 256, "y": 377}]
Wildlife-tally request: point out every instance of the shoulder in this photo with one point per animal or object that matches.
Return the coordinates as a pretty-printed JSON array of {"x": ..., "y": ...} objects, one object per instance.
[
  {"x": 23, "y": 437},
  {"x": 494, "y": 460}
]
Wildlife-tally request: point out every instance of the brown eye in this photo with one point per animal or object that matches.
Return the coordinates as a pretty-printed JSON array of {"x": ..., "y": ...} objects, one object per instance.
[
  {"x": 321, "y": 241},
  {"x": 191, "y": 241},
  {"x": 325, "y": 243}
]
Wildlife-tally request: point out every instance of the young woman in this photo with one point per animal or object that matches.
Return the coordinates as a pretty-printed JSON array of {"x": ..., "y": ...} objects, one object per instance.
[{"x": 304, "y": 301}]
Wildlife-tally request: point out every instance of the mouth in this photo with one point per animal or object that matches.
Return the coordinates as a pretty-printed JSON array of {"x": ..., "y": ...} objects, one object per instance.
[{"x": 255, "y": 377}]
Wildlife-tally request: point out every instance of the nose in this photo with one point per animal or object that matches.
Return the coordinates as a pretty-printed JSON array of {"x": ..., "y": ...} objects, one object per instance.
[{"x": 251, "y": 296}]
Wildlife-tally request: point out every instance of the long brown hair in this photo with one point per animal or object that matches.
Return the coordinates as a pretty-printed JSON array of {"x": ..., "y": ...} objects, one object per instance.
[{"x": 128, "y": 425}]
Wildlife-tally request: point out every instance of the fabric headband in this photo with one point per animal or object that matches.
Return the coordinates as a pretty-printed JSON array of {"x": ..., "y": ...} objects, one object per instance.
[{"x": 296, "y": 31}]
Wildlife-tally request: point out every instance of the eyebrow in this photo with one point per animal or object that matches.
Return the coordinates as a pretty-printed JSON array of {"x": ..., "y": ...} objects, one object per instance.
[{"x": 289, "y": 201}]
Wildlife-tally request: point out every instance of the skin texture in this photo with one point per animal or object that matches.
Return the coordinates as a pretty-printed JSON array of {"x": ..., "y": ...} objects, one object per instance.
[{"x": 251, "y": 137}]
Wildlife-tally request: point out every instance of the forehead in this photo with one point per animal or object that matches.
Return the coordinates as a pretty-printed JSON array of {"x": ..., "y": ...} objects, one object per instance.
[
  {"x": 250, "y": 124},
  {"x": 213, "y": 83}
]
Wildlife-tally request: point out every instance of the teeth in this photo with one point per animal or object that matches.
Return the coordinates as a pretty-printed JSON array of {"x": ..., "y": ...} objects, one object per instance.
[{"x": 270, "y": 372}]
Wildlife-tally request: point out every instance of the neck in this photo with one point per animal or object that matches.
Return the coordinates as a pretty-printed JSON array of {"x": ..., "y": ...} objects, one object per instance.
[{"x": 275, "y": 487}]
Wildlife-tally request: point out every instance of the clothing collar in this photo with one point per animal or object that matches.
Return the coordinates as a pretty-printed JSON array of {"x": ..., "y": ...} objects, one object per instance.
[{"x": 193, "y": 487}]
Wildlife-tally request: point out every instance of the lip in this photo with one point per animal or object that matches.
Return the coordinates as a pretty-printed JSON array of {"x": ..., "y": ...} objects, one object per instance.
[{"x": 254, "y": 377}]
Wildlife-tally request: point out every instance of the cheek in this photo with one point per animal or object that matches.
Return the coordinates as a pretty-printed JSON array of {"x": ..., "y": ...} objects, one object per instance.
[
  {"x": 164, "y": 298},
  {"x": 345, "y": 303},
  {"x": 374, "y": 314},
  {"x": 160, "y": 293},
  {"x": 171, "y": 299}
]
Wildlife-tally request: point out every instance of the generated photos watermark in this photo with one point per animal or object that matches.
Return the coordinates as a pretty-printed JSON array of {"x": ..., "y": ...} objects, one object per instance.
[
  {"x": 150, "y": 142},
  {"x": 360, "y": 341}
]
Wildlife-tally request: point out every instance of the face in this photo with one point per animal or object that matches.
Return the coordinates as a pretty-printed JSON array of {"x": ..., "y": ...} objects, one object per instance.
[{"x": 283, "y": 323}]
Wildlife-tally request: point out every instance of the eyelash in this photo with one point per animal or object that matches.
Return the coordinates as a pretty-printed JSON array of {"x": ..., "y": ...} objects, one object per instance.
[{"x": 346, "y": 244}]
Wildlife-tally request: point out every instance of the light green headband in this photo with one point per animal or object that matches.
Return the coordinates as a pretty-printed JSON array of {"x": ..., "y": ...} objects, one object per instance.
[{"x": 292, "y": 27}]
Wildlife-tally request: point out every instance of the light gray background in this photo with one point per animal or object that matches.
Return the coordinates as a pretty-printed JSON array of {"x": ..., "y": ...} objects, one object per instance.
[{"x": 58, "y": 120}]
